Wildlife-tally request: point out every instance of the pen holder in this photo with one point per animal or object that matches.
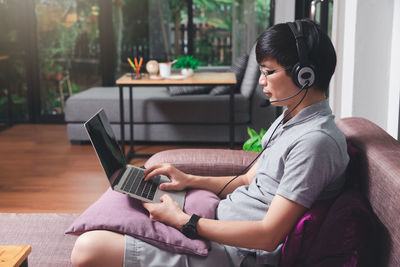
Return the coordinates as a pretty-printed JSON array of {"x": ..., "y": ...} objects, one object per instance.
[{"x": 136, "y": 76}]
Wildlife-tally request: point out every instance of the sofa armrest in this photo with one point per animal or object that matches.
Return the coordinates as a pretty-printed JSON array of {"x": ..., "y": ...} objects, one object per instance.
[{"x": 210, "y": 162}]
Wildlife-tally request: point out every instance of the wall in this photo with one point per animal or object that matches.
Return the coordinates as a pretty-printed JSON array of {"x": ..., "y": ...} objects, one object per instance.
[
  {"x": 367, "y": 82},
  {"x": 394, "y": 83}
]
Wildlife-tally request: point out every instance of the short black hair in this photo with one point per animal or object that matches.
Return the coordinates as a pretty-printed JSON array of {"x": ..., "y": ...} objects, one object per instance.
[{"x": 279, "y": 43}]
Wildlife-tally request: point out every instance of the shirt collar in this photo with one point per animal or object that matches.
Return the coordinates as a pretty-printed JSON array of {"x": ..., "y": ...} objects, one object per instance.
[{"x": 319, "y": 108}]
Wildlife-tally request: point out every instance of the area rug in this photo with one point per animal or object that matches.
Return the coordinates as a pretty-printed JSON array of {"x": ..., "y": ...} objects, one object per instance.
[{"x": 44, "y": 232}]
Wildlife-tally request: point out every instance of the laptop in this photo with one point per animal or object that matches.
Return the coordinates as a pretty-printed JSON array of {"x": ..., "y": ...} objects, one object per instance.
[{"x": 124, "y": 178}]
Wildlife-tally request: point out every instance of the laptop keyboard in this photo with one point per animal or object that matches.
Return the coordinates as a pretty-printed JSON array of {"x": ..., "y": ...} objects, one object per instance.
[{"x": 136, "y": 185}]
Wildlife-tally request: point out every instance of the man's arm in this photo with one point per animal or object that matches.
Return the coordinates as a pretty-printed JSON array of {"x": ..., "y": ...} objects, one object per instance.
[{"x": 266, "y": 234}]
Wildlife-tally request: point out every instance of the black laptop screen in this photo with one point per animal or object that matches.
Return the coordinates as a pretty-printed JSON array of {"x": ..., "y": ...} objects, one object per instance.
[{"x": 106, "y": 146}]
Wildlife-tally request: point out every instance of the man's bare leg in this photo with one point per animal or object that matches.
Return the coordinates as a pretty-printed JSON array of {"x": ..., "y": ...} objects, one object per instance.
[{"x": 99, "y": 248}]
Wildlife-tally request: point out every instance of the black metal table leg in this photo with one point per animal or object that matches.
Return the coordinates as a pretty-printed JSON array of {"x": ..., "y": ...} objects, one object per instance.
[
  {"x": 131, "y": 153},
  {"x": 232, "y": 118},
  {"x": 121, "y": 117}
]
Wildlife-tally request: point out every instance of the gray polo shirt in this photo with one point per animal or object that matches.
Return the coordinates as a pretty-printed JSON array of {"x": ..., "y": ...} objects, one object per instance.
[{"x": 305, "y": 162}]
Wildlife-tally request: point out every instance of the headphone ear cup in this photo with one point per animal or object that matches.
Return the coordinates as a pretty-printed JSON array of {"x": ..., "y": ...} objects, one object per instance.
[{"x": 303, "y": 75}]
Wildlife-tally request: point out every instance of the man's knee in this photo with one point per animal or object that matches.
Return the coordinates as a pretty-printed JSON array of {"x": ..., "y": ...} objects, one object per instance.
[
  {"x": 84, "y": 251},
  {"x": 91, "y": 249}
]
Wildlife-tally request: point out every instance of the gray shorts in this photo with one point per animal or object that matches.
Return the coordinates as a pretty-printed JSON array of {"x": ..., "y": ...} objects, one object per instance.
[{"x": 139, "y": 253}]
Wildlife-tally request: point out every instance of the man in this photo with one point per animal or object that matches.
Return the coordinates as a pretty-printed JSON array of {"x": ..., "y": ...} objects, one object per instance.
[{"x": 303, "y": 161}]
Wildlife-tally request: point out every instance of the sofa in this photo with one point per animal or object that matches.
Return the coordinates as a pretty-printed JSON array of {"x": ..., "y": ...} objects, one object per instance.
[
  {"x": 162, "y": 116},
  {"x": 378, "y": 179},
  {"x": 374, "y": 171}
]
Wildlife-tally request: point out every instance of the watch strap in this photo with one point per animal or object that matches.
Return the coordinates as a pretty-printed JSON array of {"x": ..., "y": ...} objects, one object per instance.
[
  {"x": 190, "y": 228},
  {"x": 194, "y": 219}
]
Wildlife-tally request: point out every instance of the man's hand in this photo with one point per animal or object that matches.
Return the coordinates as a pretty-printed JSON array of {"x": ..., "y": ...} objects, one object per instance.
[
  {"x": 167, "y": 212},
  {"x": 179, "y": 180}
]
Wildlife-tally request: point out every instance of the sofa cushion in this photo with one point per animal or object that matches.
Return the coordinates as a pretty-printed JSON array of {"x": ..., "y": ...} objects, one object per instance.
[
  {"x": 250, "y": 79},
  {"x": 203, "y": 161},
  {"x": 188, "y": 90},
  {"x": 238, "y": 67},
  {"x": 155, "y": 105},
  {"x": 117, "y": 212}
]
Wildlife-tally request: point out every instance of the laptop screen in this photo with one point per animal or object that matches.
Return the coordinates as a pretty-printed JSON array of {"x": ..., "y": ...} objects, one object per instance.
[{"x": 108, "y": 151}]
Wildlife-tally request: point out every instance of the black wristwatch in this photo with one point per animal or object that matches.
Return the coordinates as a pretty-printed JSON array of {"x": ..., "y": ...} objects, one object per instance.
[{"x": 190, "y": 228}]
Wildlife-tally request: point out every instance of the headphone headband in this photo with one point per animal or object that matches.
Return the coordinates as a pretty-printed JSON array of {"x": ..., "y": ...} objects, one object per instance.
[
  {"x": 303, "y": 74},
  {"x": 302, "y": 51}
]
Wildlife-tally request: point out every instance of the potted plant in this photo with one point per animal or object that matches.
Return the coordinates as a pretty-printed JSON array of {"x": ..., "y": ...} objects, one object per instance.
[
  {"x": 254, "y": 143},
  {"x": 188, "y": 64}
]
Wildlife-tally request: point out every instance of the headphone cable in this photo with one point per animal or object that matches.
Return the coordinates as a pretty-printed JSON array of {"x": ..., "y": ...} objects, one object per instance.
[{"x": 269, "y": 140}]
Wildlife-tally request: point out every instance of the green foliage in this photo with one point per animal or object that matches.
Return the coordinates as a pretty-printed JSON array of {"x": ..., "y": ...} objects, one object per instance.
[
  {"x": 57, "y": 53},
  {"x": 188, "y": 62},
  {"x": 212, "y": 13},
  {"x": 3, "y": 101},
  {"x": 75, "y": 88},
  {"x": 52, "y": 102},
  {"x": 262, "y": 10},
  {"x": 254, "y": 143},
  {"x": 18, "y": 104}
]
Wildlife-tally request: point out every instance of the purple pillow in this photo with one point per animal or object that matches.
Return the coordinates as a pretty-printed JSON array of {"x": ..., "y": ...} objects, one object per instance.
[
  {"x": 348, "y": 235},
  {"x": 299, "y": 241},
  {"x": 120, "y": 213},
  {"x": 297, "y": 246}
]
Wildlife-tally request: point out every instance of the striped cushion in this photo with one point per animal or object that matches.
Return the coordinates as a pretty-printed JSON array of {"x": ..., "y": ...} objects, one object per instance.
[
  {"x": 238, "y": 67},
  {"x": 250, "y": 78}
]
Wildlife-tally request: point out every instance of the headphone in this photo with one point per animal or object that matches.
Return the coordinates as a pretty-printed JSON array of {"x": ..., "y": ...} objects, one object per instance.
[{"x": 303, "y": 74}]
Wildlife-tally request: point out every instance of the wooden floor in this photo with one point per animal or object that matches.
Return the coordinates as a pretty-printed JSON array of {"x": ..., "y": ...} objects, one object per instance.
[{"x": 40, "y": 171}]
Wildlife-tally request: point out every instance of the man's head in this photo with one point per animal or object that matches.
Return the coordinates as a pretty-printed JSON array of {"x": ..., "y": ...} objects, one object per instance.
[{"x": 278, "y": 42}]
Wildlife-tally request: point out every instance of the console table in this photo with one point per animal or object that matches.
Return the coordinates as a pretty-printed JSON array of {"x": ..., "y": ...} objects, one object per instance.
[{"x": 204, "y": 78}]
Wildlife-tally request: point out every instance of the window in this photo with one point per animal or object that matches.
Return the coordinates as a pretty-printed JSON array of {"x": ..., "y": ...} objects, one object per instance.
[
  {"x": 214, "y": 31},
  {"x": 319, "y": 11},
  {"x": 50, "y": 49}
]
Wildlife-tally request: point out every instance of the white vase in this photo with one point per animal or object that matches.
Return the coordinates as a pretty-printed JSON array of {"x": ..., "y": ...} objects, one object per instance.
[{"x": 187, "y": 72}]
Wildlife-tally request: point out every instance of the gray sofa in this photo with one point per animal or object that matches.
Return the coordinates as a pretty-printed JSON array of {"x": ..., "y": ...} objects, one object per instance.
[{"x": 160, "y": 117}]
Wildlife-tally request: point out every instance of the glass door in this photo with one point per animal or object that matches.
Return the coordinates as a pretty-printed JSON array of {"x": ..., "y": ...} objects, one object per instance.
[
  {"x": 69, "y": 51},
  {"x": 13, "y": 86}
]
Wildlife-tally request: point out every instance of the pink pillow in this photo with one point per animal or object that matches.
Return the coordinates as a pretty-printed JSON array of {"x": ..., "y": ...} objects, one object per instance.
[{"x": 120, "y": 213}]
